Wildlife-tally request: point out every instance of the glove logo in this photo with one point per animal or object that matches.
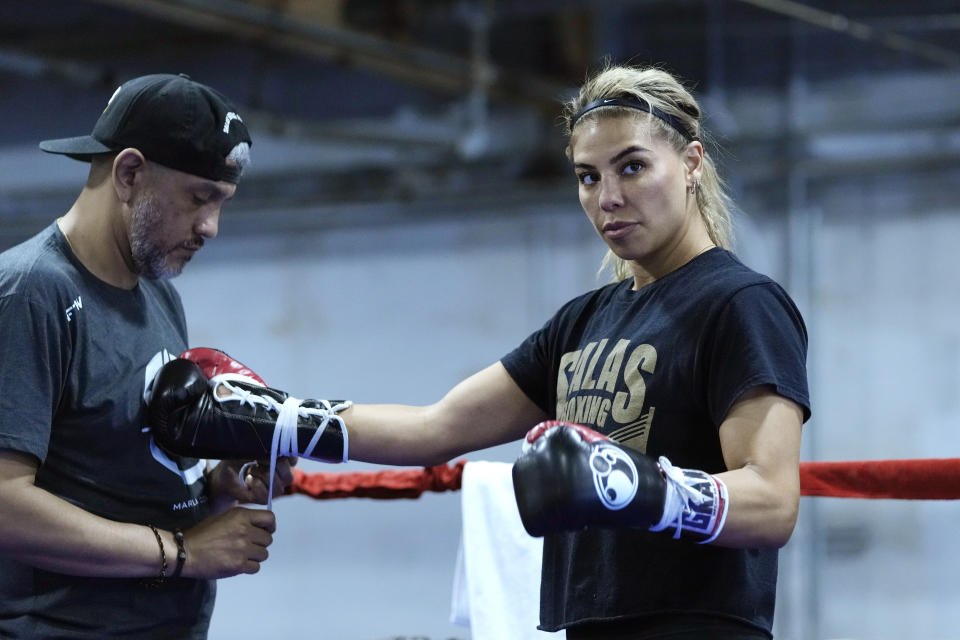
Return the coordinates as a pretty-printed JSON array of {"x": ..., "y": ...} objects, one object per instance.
[{"x": 614, "y": 476}]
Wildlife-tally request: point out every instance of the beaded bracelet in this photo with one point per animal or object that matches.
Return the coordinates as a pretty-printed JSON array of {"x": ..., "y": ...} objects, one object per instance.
[{"x": 181, "y": 553}]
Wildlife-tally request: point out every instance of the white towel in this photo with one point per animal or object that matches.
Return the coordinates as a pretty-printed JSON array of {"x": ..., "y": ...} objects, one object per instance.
[{"x": 496, "y": 583}]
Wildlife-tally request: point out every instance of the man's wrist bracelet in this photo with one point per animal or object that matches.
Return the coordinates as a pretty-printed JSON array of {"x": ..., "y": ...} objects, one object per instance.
[
  {"x": 181, "y": 553},
  {"x": 162, "y": 576}
]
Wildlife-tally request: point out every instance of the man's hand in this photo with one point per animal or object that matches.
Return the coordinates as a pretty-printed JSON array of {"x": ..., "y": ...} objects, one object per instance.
[
  {"x": 47, "y": 532},
  {"x": 228, "y": 544},
  {"x": 226, "y": 488}
]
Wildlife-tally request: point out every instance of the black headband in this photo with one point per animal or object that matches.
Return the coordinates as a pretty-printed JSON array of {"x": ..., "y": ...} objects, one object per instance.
[{"x": 632, "y": 102}]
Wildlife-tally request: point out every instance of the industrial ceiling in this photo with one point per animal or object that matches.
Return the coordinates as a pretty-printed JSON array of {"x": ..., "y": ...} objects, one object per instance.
[{"x": 456, "y": 101}]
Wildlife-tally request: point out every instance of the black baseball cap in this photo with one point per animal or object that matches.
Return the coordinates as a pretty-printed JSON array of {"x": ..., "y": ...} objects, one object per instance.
[{"x": 172, "y": 120}]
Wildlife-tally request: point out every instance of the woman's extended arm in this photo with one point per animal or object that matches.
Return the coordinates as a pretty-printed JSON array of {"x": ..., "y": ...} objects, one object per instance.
[{"x": 486, "y": 409}]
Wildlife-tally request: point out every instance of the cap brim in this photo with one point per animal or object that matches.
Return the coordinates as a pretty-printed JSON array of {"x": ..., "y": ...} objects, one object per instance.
[{"x": 81, "y": 147}]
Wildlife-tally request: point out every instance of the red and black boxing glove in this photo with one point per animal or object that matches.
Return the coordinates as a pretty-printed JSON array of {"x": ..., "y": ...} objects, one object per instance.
[
  {"x": 570, "y": 477},
  {"x": 205, "y": 404},
  {"x": 215, "y": 363}
]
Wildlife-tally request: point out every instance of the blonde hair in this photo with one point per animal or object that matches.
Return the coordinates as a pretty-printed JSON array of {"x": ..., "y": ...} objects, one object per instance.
[{"x": 661, "y": 90}]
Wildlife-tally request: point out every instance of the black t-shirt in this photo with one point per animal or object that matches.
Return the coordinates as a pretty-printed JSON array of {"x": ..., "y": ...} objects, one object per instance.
[
  {"x": 77, "y": 357},
  {"x": 658, "y": 370}
]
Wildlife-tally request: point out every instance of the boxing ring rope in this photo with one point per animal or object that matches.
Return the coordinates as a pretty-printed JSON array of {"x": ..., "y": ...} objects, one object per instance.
[
  {"x": 911, "y": 479},
  {"x": 382, "y": 485}
]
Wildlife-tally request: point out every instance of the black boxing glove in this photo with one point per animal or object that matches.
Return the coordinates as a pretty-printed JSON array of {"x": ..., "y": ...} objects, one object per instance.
[
  {"x": 232, "y": 415},
  {"x": 569, "y": 477},
  {"x": 178, "y": 386}
]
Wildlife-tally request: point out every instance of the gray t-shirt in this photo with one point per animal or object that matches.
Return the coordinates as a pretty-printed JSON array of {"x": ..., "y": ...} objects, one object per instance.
[{"x": 77, "y": 357}]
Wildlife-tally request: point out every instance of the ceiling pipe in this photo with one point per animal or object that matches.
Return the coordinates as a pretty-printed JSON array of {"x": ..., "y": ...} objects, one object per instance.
[
  {"x": 416, "y": 65},
  {"x": 859, "y": 30}
]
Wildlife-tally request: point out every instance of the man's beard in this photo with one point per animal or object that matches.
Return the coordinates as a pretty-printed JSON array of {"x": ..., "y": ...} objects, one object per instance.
[{"x": 146, "y": 233}]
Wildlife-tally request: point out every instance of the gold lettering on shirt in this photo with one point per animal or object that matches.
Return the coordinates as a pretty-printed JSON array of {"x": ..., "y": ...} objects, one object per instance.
[
  {"x": 628, "y": 405},
  {"x": 592, "y": 401},
  {"x": 581, "y": 365},
  {"x": 566, "y": 360},
  {"x": 588, "y": 381},
  {"x": 611, "y": 368}
]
